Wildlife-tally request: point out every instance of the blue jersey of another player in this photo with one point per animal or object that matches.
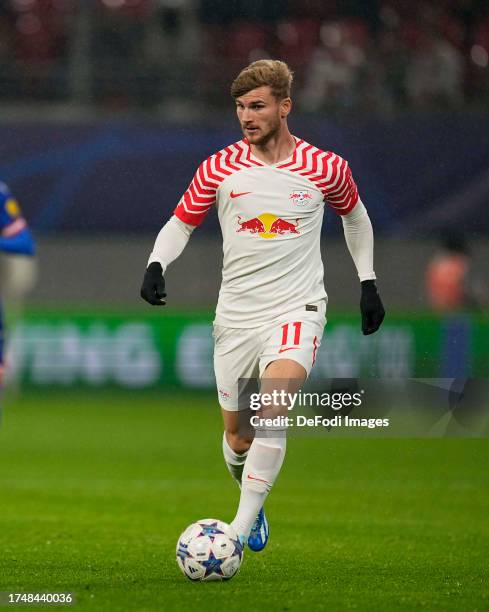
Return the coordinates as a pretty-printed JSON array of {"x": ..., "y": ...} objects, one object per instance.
[{"x": 15, "y": 237}]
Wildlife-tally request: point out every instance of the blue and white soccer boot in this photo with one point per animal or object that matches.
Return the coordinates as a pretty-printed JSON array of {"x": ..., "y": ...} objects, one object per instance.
[{"x": 258, "y": 538}]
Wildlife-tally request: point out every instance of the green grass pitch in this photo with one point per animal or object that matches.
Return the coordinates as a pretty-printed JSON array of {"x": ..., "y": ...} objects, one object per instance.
[{"x": 96, "y": 488}]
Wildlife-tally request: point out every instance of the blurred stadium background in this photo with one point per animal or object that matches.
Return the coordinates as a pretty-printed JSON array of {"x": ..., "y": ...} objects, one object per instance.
[{"x": 106, "y": 108}]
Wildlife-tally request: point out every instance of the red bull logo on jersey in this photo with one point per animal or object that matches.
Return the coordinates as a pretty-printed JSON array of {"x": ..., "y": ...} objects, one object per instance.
[
  {"x": 267, "y": 225},
  {"x": 300, "y": 198}
]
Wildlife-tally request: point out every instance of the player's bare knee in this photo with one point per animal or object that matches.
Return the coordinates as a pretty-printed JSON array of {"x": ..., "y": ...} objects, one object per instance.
[
  {"x": 239, "y": 442},
  {"x": 286, "y": 369}
]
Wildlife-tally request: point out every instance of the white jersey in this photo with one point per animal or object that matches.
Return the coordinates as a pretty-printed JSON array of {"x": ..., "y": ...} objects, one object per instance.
[{"x": 271, "y": 217}]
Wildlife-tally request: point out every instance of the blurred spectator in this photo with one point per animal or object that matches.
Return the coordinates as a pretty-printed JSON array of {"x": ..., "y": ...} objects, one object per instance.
[
  {"x": 451, "y": 282},
  {"x": 225, "y": 12},
  {"x": 6, "y": 34},
  {"x": 41, "y": 31},
  {"x": 392, "y": 66},
  {"x": 479, "y": 61},
  {"x": 435, "y": 73},
  {"x": 377, "y": 56},
  {"x": 7, "y": 72},
  {"x": 297, "y": 39},
  {"x": 334, "y": 71},
  {"x": 121, "y": 75}
]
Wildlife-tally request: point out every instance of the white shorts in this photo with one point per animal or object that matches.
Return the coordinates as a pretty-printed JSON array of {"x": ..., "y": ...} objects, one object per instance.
[{"x": 245, "y": 353}]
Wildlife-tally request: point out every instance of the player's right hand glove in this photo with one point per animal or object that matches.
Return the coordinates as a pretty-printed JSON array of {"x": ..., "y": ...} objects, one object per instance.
[
  {"x": 373, "y": 312},
  {"x": 153, "y": 287}
]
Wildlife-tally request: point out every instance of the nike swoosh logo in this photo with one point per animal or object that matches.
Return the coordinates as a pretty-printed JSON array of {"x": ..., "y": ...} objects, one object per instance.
[
  {"x": 255, "y": 478},
  {"x": 237, "y": 195},
  {"x": 290, "y": 348}
]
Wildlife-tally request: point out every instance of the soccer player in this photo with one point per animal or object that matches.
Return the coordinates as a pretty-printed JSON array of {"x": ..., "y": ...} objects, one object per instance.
[
  {"x": 15, "y": 238},
  {"x": 270, "y": 190}
]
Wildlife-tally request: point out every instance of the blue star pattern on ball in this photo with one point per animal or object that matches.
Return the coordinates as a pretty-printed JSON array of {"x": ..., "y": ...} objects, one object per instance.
[
  {"x": 209, "y": 550},
  {"x": 210, "y": 530},
  {"x": 212, "y": 565},
  {"x": 182, "y": 551},
  {"x": 238, "y": 547}
]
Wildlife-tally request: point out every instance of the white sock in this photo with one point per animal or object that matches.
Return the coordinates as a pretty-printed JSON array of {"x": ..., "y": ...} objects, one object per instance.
[
  {"x": 235, "y": 461},
  {"x": 261, "y": 469}
]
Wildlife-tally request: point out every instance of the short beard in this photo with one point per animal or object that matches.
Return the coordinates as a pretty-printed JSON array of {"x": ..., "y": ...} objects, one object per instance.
[{"x": 265, "y": 139}]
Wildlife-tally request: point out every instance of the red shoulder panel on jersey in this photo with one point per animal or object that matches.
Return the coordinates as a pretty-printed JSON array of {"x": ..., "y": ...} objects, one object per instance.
[
  {"x": 328, "y": 172},
  {"x": 201, "y": 193},
  {"x": 342, "y": 194}
]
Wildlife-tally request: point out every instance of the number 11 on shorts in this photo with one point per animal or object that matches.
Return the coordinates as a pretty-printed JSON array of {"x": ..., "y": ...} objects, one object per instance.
[{"x": 285, "y": 336}]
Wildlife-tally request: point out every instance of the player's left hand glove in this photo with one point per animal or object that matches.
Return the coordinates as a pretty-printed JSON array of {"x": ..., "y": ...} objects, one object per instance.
[{"x": 373, "y": 312}]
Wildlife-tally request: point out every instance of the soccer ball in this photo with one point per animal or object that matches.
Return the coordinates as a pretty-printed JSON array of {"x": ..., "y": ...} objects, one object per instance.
[{"x": 209, "y": 550}]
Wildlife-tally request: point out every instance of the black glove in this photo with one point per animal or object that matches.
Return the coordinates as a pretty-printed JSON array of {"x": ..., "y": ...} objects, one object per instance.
[
  {"x": 373, "y": 312},
  {"x": 153, "y": 287}
]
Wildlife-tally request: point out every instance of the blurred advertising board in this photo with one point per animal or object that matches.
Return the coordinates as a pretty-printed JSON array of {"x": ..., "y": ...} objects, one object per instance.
[{"x": 129, "y": 350}]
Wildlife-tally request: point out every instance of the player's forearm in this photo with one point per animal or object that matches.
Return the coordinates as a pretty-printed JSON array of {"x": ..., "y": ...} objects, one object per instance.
[
  {"x": 20, "y": 244},
  {"x": 170, "y": 242},
  {"x": 360, "y": 240}
]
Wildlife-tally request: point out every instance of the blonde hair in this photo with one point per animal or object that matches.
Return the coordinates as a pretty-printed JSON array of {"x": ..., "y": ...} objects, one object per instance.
[{"x": 274, "y": 73}]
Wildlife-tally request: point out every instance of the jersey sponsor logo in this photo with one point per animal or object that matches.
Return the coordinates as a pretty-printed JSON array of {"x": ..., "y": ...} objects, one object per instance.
[
  {"x": 238, "y": 195},
  {"x": 300, "y": 198},
  {"x": 12, "y": 207},
  {"x": 267, "y": 225}
]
